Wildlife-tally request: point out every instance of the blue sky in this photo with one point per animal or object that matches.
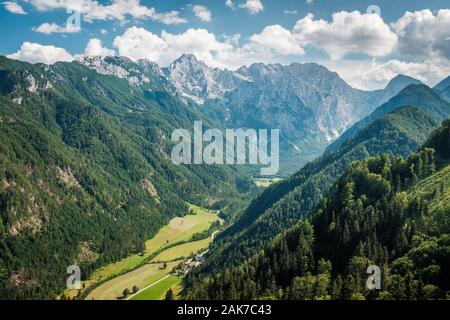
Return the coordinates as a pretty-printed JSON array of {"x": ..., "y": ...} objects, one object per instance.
[{"x": 365, "y": 49}]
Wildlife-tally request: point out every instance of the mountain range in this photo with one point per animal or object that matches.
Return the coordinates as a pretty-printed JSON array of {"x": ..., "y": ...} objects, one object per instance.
[{"x": 311, "y": 105}]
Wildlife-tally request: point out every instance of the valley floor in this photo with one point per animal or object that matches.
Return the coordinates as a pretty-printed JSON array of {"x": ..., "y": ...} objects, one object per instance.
[{"x": 152, "y": 271}]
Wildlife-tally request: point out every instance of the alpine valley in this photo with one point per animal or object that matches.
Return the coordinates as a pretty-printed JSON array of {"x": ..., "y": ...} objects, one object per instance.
[
  {"x": 86, "y": 179},
  {"x": 309, "y": 104}
]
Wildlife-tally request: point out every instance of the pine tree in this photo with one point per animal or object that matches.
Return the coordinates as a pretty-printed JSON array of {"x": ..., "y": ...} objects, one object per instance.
[{"x": 170, "y": 295}]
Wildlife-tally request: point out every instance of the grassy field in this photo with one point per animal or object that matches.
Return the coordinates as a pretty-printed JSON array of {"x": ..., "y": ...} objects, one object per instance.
[
  {"x": 178, "y": 229},
  {"x": 158, "y": 291},
  {"x": 265, "y": 182},
  {"x": 182, "y": 250},
  {"x": 182, "y": 229},
  {"x": 140, "y": 277}
]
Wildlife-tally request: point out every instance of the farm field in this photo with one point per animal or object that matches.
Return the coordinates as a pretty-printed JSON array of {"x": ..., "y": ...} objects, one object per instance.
[
  {"x": 183, "y": 250},
  {"x": 182, "y": 228},
  {"x": 140, "y": 277},
  {"x": 158, "y": 291},
  {"x": 148, "y": 273},
  {"x": 179, "y": 229}
]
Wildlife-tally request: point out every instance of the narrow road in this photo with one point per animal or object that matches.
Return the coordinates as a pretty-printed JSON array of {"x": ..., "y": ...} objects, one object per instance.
[
  {"x": 150, "y": 285},
  {"x": 213, "y": 235}
]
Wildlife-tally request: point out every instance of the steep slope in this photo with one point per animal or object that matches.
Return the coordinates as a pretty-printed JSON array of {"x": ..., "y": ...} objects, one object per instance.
[
  {"x": 417, "y": 95},
  {"x": 309, "y": 104},
  {"x": 284, "y": 203},
  {"x": 443, "y": 89},
  {"x": 85, "y": 172},
  {"x": 142, "y": 73},
  {"x": 396, "y": 85},
  {"x": 195, "y": 80},
  {"x": 382, "y": 211}
]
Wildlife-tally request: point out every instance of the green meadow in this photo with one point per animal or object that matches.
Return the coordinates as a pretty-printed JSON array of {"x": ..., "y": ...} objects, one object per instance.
[
  {"x": 158, "y": 291},
  {"x": 183, "y": 250},
  {"x": 141, "y": 277},
  {"x": 179, "y": 229}
]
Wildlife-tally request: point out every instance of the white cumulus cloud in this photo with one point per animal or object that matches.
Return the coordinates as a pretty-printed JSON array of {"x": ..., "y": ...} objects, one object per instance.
[
  {"x": 424, "y": 34},
  {"x": 421, "y": 39},
  {"x": 348, "y": 32},
  {"x": 138, "y": 43},
  {"x": 278, "y": 39},
  {"x": 95, "y": 48},
  {"x": 34, "y": 52},
  {"x": 272, "y": 42},
  {"x": 202, "y": 13},
  {"x": 253, "y": 6},
  {"x": 373, "y": 74},
  {"x": 229, "y": 4},
  {"x": 13, "y": 7},
  {"x": 115, "y": 10},
  {"x": 49, "y": 28}
]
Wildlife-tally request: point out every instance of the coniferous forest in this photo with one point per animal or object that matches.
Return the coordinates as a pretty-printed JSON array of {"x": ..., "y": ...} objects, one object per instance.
[{"x": 385, "y": 211}]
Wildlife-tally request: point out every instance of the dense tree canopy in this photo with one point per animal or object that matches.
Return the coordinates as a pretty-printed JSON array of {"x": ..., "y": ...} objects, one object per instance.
[
  {"x": 383, "y": 211},
  {"x": 86, "y": 175}
]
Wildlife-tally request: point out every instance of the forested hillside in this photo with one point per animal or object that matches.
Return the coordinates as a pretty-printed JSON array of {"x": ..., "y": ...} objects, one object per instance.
[
  {"x": 85, "y": 172},
  {"x": 283, "y": 204},
  {"x": 385, "y": 211},
  {"x": 417, "y": 95},
  {"x": 443, "y": 88}
]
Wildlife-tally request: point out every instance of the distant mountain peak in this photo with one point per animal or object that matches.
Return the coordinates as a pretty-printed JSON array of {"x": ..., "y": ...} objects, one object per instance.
[
  {"x": 444, "y": 84},
  {"x": 143, "y": 72},
  {"x": 196, "y": 80},
  {"x": 188, "y": 56},
  {"x": 400, "y": 82},
  {"x": 403, "y": 77}
]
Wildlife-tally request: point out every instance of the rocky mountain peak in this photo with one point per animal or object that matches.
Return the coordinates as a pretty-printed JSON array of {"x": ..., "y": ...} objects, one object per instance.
[
  {"x": 400, "y": 82},
  {"x": 197, "y": 81},
  {"x": 143, "y": 73},
  {"x": 187, "y": 57}
]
